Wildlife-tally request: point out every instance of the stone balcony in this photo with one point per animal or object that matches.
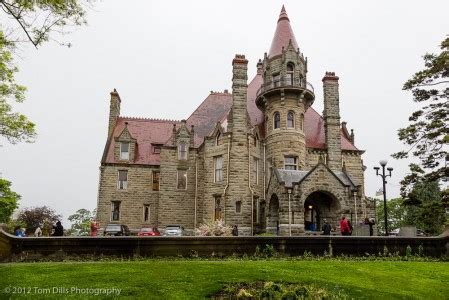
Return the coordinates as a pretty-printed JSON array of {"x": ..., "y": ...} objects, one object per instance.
[{"x": 287, "y": 84}]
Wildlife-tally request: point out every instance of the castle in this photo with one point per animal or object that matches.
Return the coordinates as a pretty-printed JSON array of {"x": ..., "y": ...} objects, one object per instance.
[{"x": 260, "y": 157}]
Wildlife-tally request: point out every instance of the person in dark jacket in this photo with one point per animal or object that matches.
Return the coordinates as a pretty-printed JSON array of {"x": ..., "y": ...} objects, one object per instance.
[
  {"x": 371, "y": 223},
  {"x": 235, "y": 230},
  {"x": 326, "y": 228},
  {"x": 58, "y": 229}
]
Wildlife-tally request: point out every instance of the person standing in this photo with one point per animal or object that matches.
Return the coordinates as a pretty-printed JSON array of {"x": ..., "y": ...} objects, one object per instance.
[
  {"x": 38, "y": 232},
  {"x": 344, "y": 227},
  {"x": 326, "y": 228},
  {"x": 94, "y": 228}
]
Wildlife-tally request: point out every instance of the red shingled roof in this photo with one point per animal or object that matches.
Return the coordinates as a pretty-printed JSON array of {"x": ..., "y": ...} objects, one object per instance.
[
  {"x": 282, "y": 35},
  {"x": 146, "y": 132},
  {"x": 215, "y": 108}
]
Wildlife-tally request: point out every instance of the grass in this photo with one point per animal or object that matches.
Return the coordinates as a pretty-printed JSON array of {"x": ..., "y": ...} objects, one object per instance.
[{"x": 197, "y": 279}]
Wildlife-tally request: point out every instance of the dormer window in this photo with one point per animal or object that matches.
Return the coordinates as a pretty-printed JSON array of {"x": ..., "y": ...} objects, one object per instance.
[
  {"x": 124, "y": 151},
  {"x": 182, "y": 151},
  {"x": 156, "y": 149},
  {"x": 290, "y": 120},
  {"x": 290, "y": 72},
  {"x": 277, "y": 120}
]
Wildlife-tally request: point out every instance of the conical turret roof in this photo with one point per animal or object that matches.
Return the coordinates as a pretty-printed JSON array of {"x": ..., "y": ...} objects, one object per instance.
[{"x": 283, "y": 35}]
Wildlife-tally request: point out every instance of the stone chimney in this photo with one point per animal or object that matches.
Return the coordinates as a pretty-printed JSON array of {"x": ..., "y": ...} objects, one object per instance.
[
  {"x": 114, "y": 111},
  {"x": 331, "y": 117},
  {"x": 238, "y": 120}
]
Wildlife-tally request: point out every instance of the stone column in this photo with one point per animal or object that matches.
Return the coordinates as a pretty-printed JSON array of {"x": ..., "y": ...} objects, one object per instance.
[{"x": 331, "y": 117}]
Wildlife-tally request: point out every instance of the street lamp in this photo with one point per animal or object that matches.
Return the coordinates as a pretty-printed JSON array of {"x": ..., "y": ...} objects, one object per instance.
[{"x": 383, "y": 164}]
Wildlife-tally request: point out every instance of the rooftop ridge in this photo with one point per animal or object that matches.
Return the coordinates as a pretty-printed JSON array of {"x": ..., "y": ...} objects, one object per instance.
[{"x": 150, "y": 119}]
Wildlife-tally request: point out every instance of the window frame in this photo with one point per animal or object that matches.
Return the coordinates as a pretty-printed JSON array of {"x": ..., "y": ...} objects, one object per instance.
[
  {"x": 158, "y": 180},
  {"x": 183, "y": 149},
  {"x": 177, "y": 180},
  {"x": 290, "y": 74},
  {"x": 127, "y": 152},
  {"x": 147, "y": 220},
  {"x": 295, "y": 165},
  {"x": 112, "y": 219},
  {"x": 238, "y": 207},
  {"x": 157, "y": 148},
  {"x": 292, "y": 114},
  {"x": 216, "y": 159},
  {"x": 278, "y": 122},
  {"x": 124, "y": 185},
  {"x": 255, "y": 169}
]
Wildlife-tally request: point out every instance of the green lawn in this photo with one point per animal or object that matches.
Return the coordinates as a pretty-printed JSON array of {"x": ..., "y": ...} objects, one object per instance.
[{"x": 195, "y": 279}]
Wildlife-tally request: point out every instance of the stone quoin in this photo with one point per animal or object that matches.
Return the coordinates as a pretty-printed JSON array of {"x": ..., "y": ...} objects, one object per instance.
[{"x": 259, "y": 157}]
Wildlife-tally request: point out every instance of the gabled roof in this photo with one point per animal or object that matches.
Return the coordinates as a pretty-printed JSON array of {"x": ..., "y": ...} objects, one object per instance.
[
  {"x": 215, "y": 108},
  {"x": 290, "y": 177},
  {"x": 282, "y": 35},
  {"x": 146, "y": 132}
]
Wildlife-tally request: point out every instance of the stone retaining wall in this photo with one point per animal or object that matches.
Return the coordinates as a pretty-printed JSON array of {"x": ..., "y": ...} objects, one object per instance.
[{"x": 14, "y": 248}]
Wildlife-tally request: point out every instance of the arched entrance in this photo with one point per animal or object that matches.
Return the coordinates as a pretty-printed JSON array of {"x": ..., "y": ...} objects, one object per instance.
[
  {"x": 318, "y": 206},
  {"x": 273, "y": 215}
]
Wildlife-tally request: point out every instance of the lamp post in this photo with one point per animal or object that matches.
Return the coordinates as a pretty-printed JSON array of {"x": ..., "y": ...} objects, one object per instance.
[{"x": 383, "y": 163}]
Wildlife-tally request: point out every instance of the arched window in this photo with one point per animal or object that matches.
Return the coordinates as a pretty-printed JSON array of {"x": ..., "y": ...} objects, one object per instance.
[
  {"x": 290, "y": 120},
  {"x": 290, "y": 72},
  {"x": 182, "y": 151},
  {"x": 277, "y": 120}
]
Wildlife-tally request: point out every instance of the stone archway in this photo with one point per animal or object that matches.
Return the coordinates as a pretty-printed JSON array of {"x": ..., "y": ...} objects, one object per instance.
[
  {"x": 320, "y": 205},
  {"x": 273, "y": 215}
]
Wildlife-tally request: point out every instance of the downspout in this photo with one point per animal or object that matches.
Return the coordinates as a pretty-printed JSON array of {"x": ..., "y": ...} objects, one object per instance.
[
  {"x": 196, "y": 192},
  {"x": 264, "y": 174},
  {"x": 227, "y": 177},
  {"x": 249, "y": 186}
]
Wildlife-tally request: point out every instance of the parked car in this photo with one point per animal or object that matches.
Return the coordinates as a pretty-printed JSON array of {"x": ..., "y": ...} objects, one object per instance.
[
  {"x": 419, "y": 232},
  {"x": 148, "y": 231},
  {"x": 173, "y": 230},
  {"x": 116, "y": 230}
]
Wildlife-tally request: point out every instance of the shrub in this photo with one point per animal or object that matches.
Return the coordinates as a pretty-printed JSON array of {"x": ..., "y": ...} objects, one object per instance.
[{"x": 214, "y": 228}]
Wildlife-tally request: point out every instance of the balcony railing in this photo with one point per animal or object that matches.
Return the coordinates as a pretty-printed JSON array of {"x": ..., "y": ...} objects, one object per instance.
[{"x": 285, "y": 82}]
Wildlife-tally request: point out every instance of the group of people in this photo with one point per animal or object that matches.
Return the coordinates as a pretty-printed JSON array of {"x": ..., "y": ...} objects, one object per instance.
[
  {"x": 346, "y": 226},
  {"x": 58, "y": 230}
]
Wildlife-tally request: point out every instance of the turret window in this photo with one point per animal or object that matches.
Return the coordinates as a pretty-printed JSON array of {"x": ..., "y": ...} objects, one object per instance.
[
  {"x": 290, "y": 72},
  {"x": 302, "y": 122},
  {"x": 290, "y": 163},
  {"x": 277, "y": 120},
  {"x": 290, "y": 120}
]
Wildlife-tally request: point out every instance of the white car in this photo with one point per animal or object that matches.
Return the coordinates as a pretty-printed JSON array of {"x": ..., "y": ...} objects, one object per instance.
[{"x": 173, "y": 230}]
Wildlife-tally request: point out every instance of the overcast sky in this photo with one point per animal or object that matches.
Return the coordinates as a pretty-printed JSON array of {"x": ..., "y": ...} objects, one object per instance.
[{"x": 164, "y": 57}]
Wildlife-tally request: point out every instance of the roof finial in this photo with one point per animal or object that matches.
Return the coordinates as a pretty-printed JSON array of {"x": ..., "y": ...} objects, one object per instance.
[{"x": 283, "y": 15}]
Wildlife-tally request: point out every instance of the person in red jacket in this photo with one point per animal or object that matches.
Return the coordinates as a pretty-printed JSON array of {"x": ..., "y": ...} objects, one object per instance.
[{"x": 344, "y": 226}]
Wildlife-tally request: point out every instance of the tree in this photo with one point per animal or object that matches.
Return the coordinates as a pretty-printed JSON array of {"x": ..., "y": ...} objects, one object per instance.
[
  {"x": 29, "y": 22},
  {"x": 37, "y": 216},
  {"x": 8, "y": 201},
  {"x": 81, "y": 221},
  {"x": 425, "y": 208},
  {"x": 427, "y": 135},
  {"x": 395, "y": 212}
]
